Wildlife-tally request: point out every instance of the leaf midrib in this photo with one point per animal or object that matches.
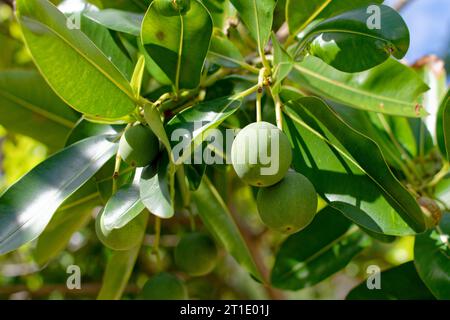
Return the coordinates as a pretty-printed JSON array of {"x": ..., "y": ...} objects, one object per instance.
[
  {"x": 58, "y": 192},
  {"x": 298, "y": 266},
  {"x": 128, "y": 93},
  {"x": 312, "y": 17},
  {"x": 352, "y": 89},
  {"x": 36, "y": 109},
  {"x": 344, "y": 154}
]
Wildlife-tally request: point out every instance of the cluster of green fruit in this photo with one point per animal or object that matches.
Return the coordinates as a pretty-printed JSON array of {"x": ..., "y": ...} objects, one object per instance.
[
  {"x": 287, "y": 200},
  {"x": 196, "y": 254}
]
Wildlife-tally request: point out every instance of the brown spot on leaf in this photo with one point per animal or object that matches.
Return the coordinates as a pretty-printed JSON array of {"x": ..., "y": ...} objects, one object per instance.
[
  {"x": 160, "y": 35},
  {"x": 418, "y": 108}
]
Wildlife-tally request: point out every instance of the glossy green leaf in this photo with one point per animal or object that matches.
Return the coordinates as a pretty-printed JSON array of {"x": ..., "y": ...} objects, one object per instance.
[
  {"x": 442, "y": 191},
  {"x": 27, "y": 207},
  {"x": 220, "y": 223},
  {"x": 224, "y": 53},
  {"x": 398, "y": 283},
  {"x": 73, "y": 215},
  {"x": 178, "y": 43},
  {"x": 282, "y": 62},
  {"x": 104, "y": 41},
  {"x": 432, "y": 258},
  {"x": 28, "y": 106},
  {"x": 305, "y": 259},
  {"x": 363, "y": 122},
  {"x": 443, "y": 126},
  {"x": 84, "y": 129},
  {"x": 312, "y": 10},
  {"x": 128, "y": 5},
  {"x": 219, "y": 11},
  {"x": 117, "y": 273},
  {"x": 124, "y": 205},
  {"x": 80, "y": 73},
  {"x": 347, "y": 43},
  {"x": 153, "y": 117},
  {"x": 391, "y": 88},
  {"x": 327, "y": 150},
  {"x": 118, "y": 20},
  {"x": 198, "y": 121},
  {"x": 155, "y": 189},
  {"x": 151, "y": 66},
  {"x": 258, "y": 17},
  {"x": 431, "y": 70},
  {"x": 194, "y": 175}
]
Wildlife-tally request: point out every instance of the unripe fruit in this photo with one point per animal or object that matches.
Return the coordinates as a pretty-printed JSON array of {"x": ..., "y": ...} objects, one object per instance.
[
  {"x": 431, "y": 210},
  {"x": 138, "y": 146},
  {"x": 124, "y": 238},
  {"x": 171, "y": 8},
  {"x": 196, "y": 254},
  {"x": 290, "y": 205},
  {"x": 261, "y": 154},
  {"x": 164, "y": 286}
]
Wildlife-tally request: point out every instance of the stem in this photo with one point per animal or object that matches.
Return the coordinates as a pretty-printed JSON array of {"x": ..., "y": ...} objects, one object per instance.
[
  {"x": 278, "y": 110},
  {"x": 209, "y": 81},
  {"x": 259, "y": 94},
  {"x": 185, "y": 194},
  {"x": 245, "y": 93},
  {"x": 439, "y": 176},
  {"x": 155, "y": 249},
  {"x": 402, "y": 151}
]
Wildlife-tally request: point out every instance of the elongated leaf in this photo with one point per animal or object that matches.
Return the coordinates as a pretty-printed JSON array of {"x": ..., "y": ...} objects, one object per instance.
[
  {"x": 178, "y": 43},
  {"x": 443, "y": 127},
  {"x": 390, "y": 88},
  {"x": 223, "y": 52},
  {"x": 73, "y": 215},
  {"x": 85, "y": 129},
  {"x": 258, "y": 17},
  {"x": 104, "y": 41},
  {"x": 283, "y": 64},
  {"x": 372, "y": 162},
  {"x": 347, "y": 43},
  {"x": 128, "y": 5},
  {"x": 118, "y": 20},
  {"x": 28, "y": 106},
  {"x": 218, "y": 10},
  {"x": 117, "y": 274},
  {"x": 431, "y": 69},
  {"x": 80, "y": 73},
  {"x": 194, "y": 123},
  {"x": 312, "y": 10},
  {"x": 218, "y": 220},
  {"x": 432, "y": 258},
  {"x": 363, "y": 192},
  {"x": 305, "y": 259},
  {"x": 27, "y": 207},
  {"x": 398, "y": 283},
  {"x": 124, "y": 205},
  {"x": 155, "y": 189},
  {"x": 363, "y": 122}
]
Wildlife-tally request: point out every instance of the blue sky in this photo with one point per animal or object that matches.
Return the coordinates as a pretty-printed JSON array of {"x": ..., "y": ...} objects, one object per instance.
[{"x": 429, "y": 24}]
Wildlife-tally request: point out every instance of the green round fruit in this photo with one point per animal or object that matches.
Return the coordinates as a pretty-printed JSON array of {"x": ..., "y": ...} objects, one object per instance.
[
  {"x": 253, "y": 158},
  {"x": 290, "y": 205},
  {"x": 172, "y": 8},
  {"x": 196, "y": 254},
  {"x": 138, "y": 146},
  {"x": 124, "y": 238},
  {"x": 164, "y": 286}
]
